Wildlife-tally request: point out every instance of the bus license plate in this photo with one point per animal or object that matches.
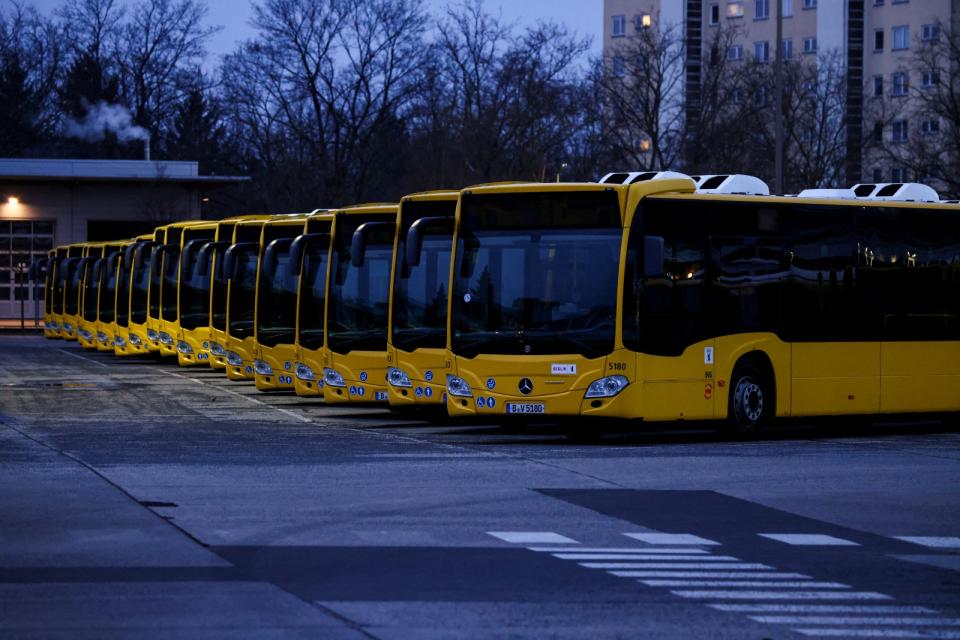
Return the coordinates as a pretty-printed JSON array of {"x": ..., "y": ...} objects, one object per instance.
[{"x": 526, "y": 407}]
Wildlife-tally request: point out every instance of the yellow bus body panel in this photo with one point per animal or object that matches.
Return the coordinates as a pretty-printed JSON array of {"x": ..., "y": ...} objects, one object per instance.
[
  {"x": 919, "y": 376},
  {"x": 420, "y": 365},
  {"x": 313, "y": 358},
  {"x": 364, "y": 374},
  {"x": 282, "y": 359}
]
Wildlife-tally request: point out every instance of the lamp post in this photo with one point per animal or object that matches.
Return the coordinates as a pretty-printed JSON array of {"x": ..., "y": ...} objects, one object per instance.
[{"x": 21, "y": 277}]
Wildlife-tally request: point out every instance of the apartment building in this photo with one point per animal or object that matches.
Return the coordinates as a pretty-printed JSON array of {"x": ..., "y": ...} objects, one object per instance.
[{"x": 873, "y": 39}]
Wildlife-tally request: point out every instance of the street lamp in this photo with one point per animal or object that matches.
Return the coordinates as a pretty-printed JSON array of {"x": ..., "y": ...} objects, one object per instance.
[
  {"x": 563, "y": 167},
  {"x": 13, "y": 200}
]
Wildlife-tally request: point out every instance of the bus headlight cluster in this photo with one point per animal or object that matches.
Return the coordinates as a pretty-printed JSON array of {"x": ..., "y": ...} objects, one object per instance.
[
  {"x": 165, "y": 338},
  {"x": 457, "y": 386},
  {"x": 86, "y": 335},
  {"x": 234, "y": 359},
  {"x": 606, "y": 387},
  {"x": 217, "y": 349},
  {"x": 52, "y": 325},
  {"x": 152, "y": 335},
  {"x": 102, "y": 337},
  {"x": 262, "y": 368},
  {"x": 118, "y": 341},
  {"x": 68, "y": 327},
  {"x": 398, "y": 377},
  {"x": 332, "y": 378},
  {"x": 184, "y": 347},
  {"x": 134, "y": 339},
  {"x": 304, "y": 372}
]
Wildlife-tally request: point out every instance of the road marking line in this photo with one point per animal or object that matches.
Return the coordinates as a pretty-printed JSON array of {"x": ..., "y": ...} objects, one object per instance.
[
  {"x": 809, "y": 539},
  {"x": 766, "y": 575},
  {"x": 859, "y": 620},
  {"x": 783, "y": 595},
  {"x": 819, "y": 608},
  {"x": 240, "y": 395},
  {"x": 687, "y": 565},
  {"x": 670, "y": 538},
  {"x": 932, "y": 541},
  {"x": 622, "y": 556},
  {"x": 657, "y": 550},
  {"x": 531, "y": 537},
  {"x": 803, "y": 584},
  {"x": 84, "y": 358},
  {"x": 879, "y": 633}
]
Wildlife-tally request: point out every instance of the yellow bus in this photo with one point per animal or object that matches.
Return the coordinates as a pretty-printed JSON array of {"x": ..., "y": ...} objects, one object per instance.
[
  {"x": 652, "y": 301},
  {"x": 168, "y": 255},
  {"x": 193, "y": 296},
  {"x": 309, "y": 257},
  {"x": 240, "y": 269},
  {"x": 358, "y": 299},
  {"x": 106, "y": 270},
  {"x": 57, "y": 274},
  {"x": 90, "y": 287},
  {"x": 417, "y": 337},
  {"x": 275, "y": 317},
  {"x": 138, "y": 328},
  {"x": 71, "y": 271},
  {"x": 126, "y": 342}
]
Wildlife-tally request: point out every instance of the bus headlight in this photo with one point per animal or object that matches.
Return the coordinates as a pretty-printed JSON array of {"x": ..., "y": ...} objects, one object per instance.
[
  {"x": 165, "y": 338},
  {"x": 152, "y": 335},
  {"x": 68, "y": 327},
  {"x": 262, "y": 368},
  {"x": 217, "y": 349},
  {"x": 332, "y": 378},
  {"x": 304, "y": 372},
  {"x": 606, "y": 387},
  {"x": 457, "y": 386},
  {"x": 134, "y": 339},
  {"x": 86, "y": 335},
  {"x": 398, "y": 377},
  {"x": 52, "y": 325},
  {"x": 234, "y": 359},
  {"x": 102, "y": 337},
  {"x": 184, "y": 348},
  {"x": 119, "y": 342}
]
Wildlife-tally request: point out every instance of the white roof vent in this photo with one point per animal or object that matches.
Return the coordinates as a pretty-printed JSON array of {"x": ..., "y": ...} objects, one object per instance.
[
  {"x": 733, "y": 183},
  {"x": 898, "y": 191},
  {"x": 629, "y": 177},
  {"x": 843, "y": 194}
]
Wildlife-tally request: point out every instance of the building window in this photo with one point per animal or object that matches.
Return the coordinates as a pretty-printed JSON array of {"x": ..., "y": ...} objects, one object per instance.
[
  {"x": 735, "y": 52},
  {"x": 809, "y": 45},
  {"x": 899, "y": 128},
  {"x": 901, "y": 38},
  {"x": 878, "y": 175},
  {"x": 901, "y": 84},
  {"x": 899, "y": 1},
  {"x": 761, "y": 51},
  {"x": 787, "y": 49},
  {"x": 930, "y": 126},
  {"x": 898, "y": 174},
  {"x": 714, "y": 14},
  {"x": 809, "y": 4},
  {"x": 878, "y": 40},
  {"x": 619, "y": 66},
  {"x": 736, "y": 95},
  {"x": 619, "y": 26},
  {"x": 786, "y": 9},
  {"x": 877, "y": 86},
  {"x": 930, "y": 32},
  {"x": 22, "y": 242},
  {"x": 878, "y": 3},
  {"x": 761, "y": 96},
  {"x": 878, "y": 132},
  {"x": 763, "y": 10},
  {"x": 735, "y": 9},
  {"x": 931, "y": 78}
]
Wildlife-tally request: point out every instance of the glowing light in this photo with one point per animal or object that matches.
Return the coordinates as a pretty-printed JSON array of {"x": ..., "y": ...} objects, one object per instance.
[
  {"x": 646, "y": 20},
  {"x": 13, "y": 200}
]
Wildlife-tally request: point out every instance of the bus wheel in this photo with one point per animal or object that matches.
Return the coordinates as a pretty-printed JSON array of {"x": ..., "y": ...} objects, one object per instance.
[{"x": 751, "y": 400}]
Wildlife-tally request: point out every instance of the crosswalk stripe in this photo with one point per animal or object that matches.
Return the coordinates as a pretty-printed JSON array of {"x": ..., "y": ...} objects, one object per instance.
[
  {"x": 766, "y": 575},
  {"x": 671, "y": 538},
  {"x": 689, "y": 565},
  {"x": 647, "y": 550},
  {"x": 809, "y": 539},
  {"x": 531, "y": 537},
  {"x": 861, "y": 620},
  {"x": 819, "y": 608},
  {"x": 621, "y": 556},
  {"x": 782, "y": 595},
  {"x": 802, "y": 584},
  {"x": 932, "y": 541},
  {"x": 879, "y": 633}
]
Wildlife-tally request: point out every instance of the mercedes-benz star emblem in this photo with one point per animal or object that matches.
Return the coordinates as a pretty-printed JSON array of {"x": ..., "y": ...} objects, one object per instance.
[{"x": 525, "y": 386}]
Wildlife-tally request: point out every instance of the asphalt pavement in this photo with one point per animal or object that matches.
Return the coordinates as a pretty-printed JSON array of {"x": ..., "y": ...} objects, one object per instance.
[{"x": 139, "y": 499}]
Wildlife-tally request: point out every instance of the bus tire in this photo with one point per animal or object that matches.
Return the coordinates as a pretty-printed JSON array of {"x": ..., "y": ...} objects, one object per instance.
[{"x": 751, "y": 400}]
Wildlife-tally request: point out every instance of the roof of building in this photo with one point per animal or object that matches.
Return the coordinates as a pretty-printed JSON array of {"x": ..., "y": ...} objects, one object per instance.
[{"x": 55, "y": 170}]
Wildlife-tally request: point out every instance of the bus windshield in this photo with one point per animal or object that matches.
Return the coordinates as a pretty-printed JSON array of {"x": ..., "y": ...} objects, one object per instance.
[
  {"x": 537, "y": 273},
  {"x": 313, "y": 293},
  {"x": 168, "y": 294},
  {"x": 277, "y": 300},
  {"x": 123, "y": 294},
  {"x": 360, "y": 296},
  {"x": 243, "y": 293},
  {"x": 140, "y": 285},
  {"x": 71, "y": 289},
  {"x": 90, "y": 287},
  {"x": 420, "y": 292},
  {"x": 58, "y": 285},
  {"x": 108, "y": 290},
  {"x": 194, "y": 289}
]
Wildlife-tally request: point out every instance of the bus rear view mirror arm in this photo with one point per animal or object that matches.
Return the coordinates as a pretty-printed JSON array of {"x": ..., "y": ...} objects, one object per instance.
[
  {"x": 203, "y": 258},
  {"x": 299, "y": 245},
  {"x": 141, "y": 250},
  {"x": 358, "y": 244},
  {"x": 414, "y": 245},
  {"x": 230, "y": 257},
  {"x": 270, "y": 255}
]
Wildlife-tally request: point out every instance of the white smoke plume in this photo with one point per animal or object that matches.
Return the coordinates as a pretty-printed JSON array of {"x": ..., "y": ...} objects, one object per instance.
[{"x": 101, "y": 118}]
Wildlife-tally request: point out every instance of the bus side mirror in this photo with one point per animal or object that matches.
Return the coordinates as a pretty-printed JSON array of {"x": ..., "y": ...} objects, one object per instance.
[
  {"x": 358, "y": 244},
  {"x": 188, "y": 250},
  {"x": 97, "y": 268},
  {"x": 414, "y": 243},
  {"x": 230, "y": 263},
  {"x": 299, "y": 246},
  {"x": 270, "y": 258},
  {"x": 141, "y": 249},
  {"x": 128, "y": 253},
  {"x": 203, "y": 258},
  {"x": 653, "y": 250}
]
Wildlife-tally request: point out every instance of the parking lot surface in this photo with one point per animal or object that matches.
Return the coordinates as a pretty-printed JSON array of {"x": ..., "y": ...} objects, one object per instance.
[{"x": 141, "y": 499}]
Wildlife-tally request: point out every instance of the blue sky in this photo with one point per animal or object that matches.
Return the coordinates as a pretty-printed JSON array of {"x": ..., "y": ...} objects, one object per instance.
[{"x": 584, "y": 16}]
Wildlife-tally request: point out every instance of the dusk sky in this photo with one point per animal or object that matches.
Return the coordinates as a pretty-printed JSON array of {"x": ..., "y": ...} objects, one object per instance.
[{"x": 584, "y": 16}]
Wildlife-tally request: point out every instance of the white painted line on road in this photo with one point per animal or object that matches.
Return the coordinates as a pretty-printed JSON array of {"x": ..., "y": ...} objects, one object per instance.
[
  {"x": 643, "y": 550},
  {"x": 879, "y": 633},
  {"x": 670, "y": 538},
  {"x": 635, "y": 556},
  {"x": 819, "y": 608},
  {"x": 803, "y": 584},
  {"x": 687, "y": 565},
  {"x": 860, "y": 620},
  {"x": 809, "y": 539},
  {"x": 933, "y": 541},
  {"x": 765, "y": 575},
  {"x": 531, "y": 537},
  {"x": 783, "y": 595},
  {"x": 240, "y": 395},
  {"x": 84, "y": 358}
]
